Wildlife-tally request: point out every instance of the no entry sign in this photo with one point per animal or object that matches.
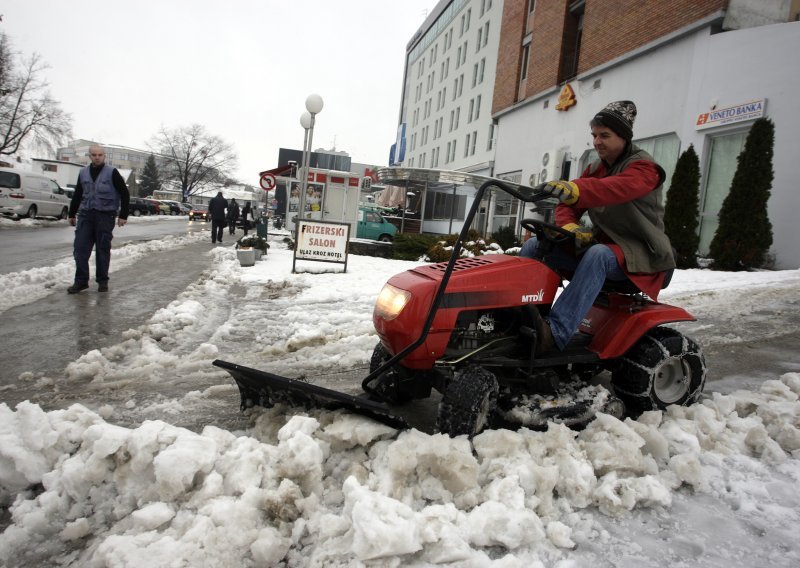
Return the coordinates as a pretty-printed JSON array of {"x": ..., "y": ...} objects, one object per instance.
[{"x": 267, "y": 182}]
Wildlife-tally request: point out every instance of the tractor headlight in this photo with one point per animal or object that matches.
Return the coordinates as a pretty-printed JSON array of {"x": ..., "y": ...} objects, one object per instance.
[{"x": 391, "y": 302}]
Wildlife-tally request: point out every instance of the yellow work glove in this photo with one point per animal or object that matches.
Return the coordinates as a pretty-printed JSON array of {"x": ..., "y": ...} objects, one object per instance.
[
  {"x": 583, "y": 238},
  {"x": 566, "y": 191}
]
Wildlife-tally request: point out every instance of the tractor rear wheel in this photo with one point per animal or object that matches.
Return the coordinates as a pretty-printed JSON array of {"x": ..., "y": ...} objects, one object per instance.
[
  {"x": 468, "y": 402},
  {"x": 664, "y": 367}
]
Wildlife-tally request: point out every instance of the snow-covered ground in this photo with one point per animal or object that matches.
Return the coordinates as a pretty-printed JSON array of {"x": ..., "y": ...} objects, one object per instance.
[{"x": 710, "y": 485}]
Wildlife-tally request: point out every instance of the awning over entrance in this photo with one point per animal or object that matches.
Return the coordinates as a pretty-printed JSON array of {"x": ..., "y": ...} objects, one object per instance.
[{"x": 279, "y": 171}]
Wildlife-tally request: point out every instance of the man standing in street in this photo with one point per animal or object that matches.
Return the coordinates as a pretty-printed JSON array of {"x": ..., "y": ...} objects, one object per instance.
[
  {"x": 216, "y": 208},
  {"x": 99, "y": 195}
]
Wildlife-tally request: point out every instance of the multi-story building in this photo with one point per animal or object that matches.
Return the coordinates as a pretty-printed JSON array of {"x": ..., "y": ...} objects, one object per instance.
[
  {"x": 699, "y": 71},
  {"x": 446, "y": 101},
  {"x": 121, "y": 157}
]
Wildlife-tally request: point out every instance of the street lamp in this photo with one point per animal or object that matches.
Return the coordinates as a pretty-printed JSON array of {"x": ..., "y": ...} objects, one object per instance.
[{"x": 313, "y": 106}]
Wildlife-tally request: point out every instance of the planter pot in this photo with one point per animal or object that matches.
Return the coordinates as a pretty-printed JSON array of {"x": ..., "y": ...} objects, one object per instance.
[{"x": 246, "y": 256}]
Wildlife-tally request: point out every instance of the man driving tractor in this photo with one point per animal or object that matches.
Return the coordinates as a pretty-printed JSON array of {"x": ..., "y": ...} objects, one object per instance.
[{"x": 622, "y": 193}]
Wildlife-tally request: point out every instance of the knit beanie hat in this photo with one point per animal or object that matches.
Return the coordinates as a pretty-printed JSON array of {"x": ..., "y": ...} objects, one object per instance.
[{"x": 619, "y": 117}]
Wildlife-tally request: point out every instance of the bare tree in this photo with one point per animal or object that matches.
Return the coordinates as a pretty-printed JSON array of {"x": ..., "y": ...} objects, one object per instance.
[
  {"x": 193, "y": 158},
  {"x": 28, "y": 113}
]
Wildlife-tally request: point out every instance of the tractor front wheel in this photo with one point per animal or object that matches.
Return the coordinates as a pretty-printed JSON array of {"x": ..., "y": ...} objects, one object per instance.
[
  {"x": 386, "y": 385},
  {"x": 664, "y": 367},
  {"x": 468, "y": 402}
]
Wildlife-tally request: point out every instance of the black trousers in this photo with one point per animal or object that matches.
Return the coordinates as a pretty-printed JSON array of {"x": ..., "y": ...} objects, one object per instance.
[{"x": 216, "y": 230}]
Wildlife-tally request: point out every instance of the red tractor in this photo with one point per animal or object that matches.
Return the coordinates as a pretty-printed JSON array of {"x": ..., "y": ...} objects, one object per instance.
[{"x": 465, "y": 329}]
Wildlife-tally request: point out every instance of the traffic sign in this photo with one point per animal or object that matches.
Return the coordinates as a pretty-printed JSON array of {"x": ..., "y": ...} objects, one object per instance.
[{"x": 267, "y": 182}]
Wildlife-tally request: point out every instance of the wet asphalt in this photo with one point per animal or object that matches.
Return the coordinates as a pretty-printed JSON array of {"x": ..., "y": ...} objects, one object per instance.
[{"x": 42, "y": 337}]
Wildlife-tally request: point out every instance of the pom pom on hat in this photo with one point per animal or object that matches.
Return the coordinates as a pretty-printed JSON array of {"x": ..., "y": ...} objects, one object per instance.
[{"x": 619, "y": 117}]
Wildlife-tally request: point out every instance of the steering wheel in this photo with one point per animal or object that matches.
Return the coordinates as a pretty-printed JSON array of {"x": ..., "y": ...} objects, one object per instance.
[{"x": 547, "y": 231}]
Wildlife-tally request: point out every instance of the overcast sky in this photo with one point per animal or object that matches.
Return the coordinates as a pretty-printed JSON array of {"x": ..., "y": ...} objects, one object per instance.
[{"x": 241, "y": 68}]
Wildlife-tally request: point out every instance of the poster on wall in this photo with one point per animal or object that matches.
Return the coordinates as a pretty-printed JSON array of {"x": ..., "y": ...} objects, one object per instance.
[
  {"x": 314, "y": 198},
  {"x": 321, "y": 241}
]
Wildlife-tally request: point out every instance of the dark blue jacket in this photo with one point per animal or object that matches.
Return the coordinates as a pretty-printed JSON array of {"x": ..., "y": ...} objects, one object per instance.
[{"x": 217, "y": 207}]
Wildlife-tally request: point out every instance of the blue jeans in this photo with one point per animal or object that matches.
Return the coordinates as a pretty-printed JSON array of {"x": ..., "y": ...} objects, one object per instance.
[
  {"x": 93, "y": 230},
  {"x": 597, "y": 264}
]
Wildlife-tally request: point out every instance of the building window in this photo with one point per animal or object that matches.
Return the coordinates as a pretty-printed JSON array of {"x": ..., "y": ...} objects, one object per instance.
[
  {"x": 665, "y": 150},
  {"x": 481, "y": 70},
  {"x": 466, "y": 145},
  {"x": 471, "y": 110},
  {"x": 442, "y": 206},
  {"x": 526, "y": 52},
  {"x": 477, "y": 107},
  {"x": 49, "y": 168},
  {"x": 490, "y": 142},
  {"x": 486, "y": 34},
  {"x": 571, "y": 43},
  {"x": 474, "y": 75}
]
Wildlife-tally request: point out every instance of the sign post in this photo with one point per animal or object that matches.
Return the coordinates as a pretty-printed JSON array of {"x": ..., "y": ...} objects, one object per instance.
[
  {"x": 267, "y": 182},
  {"x": 321, "y": 241}
]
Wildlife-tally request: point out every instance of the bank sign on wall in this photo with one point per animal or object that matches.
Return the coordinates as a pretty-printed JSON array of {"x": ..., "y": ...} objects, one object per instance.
[
  {"x": 731, "y": 115},
  {"x": 323, "y": 241}
]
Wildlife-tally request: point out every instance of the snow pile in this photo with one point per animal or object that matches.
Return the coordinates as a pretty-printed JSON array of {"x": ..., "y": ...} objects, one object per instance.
[{"x": 336, "y": 489}]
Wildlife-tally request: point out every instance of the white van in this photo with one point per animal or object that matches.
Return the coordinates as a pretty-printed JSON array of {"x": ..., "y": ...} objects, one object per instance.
[{"x": 26, "y": 194}]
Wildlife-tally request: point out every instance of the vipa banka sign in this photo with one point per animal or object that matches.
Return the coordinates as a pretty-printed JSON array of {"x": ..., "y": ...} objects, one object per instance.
[
  {"x": 730, "y": 115},
  {"x": 322, "y": 241}
]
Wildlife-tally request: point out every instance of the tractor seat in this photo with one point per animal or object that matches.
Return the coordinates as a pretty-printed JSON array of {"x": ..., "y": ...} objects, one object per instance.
[{"x": 628, "y": 287}]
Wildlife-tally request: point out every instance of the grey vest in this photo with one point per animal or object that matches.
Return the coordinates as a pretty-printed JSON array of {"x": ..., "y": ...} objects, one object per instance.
[{"x": 99, "y": 194}]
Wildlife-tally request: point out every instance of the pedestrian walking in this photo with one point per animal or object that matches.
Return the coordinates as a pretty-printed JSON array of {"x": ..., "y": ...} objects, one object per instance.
[
  {"x": 101, "y": 198},
  {"x": 233, "y": 216},
  {"x": 247, "y": 213},
  {"x": 216, "y": 208}
]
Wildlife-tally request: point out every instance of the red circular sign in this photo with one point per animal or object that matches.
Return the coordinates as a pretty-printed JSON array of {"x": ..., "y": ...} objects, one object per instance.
[{"x": 267, "y": 182}]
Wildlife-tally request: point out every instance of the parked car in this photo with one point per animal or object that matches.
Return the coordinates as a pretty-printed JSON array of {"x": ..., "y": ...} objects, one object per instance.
[
  {"x": 199, "y": 212},
  {"x": 153, "y": 205},
  {"x": 138, "y": 206},
  {"x": 25, "y": 194},
  {"x": 186, "y": 208},
  {"x": 174, "y": 206},
  {"x": 372, "y": 225}
]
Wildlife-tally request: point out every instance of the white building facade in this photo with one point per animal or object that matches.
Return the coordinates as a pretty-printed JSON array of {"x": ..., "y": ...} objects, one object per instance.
[{"x": 691, "y": 87}]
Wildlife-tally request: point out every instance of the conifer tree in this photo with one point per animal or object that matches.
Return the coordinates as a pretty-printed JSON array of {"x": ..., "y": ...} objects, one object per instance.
[
  {"x": 150, "y": 180},
  {"x": 681, "y": 212},
  {"x": 744, "y": 234}
]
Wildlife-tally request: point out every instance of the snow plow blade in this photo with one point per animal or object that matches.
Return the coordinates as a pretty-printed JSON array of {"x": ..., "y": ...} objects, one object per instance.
[{"x": 260, "y": 388}]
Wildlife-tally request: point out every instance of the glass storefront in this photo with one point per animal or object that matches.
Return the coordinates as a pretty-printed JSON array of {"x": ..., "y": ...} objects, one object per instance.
[{"x": 723, "y": 153}]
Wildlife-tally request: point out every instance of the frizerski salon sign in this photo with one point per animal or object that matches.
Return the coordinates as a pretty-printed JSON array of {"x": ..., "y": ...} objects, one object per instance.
[{"x": 719, "y": 117}]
